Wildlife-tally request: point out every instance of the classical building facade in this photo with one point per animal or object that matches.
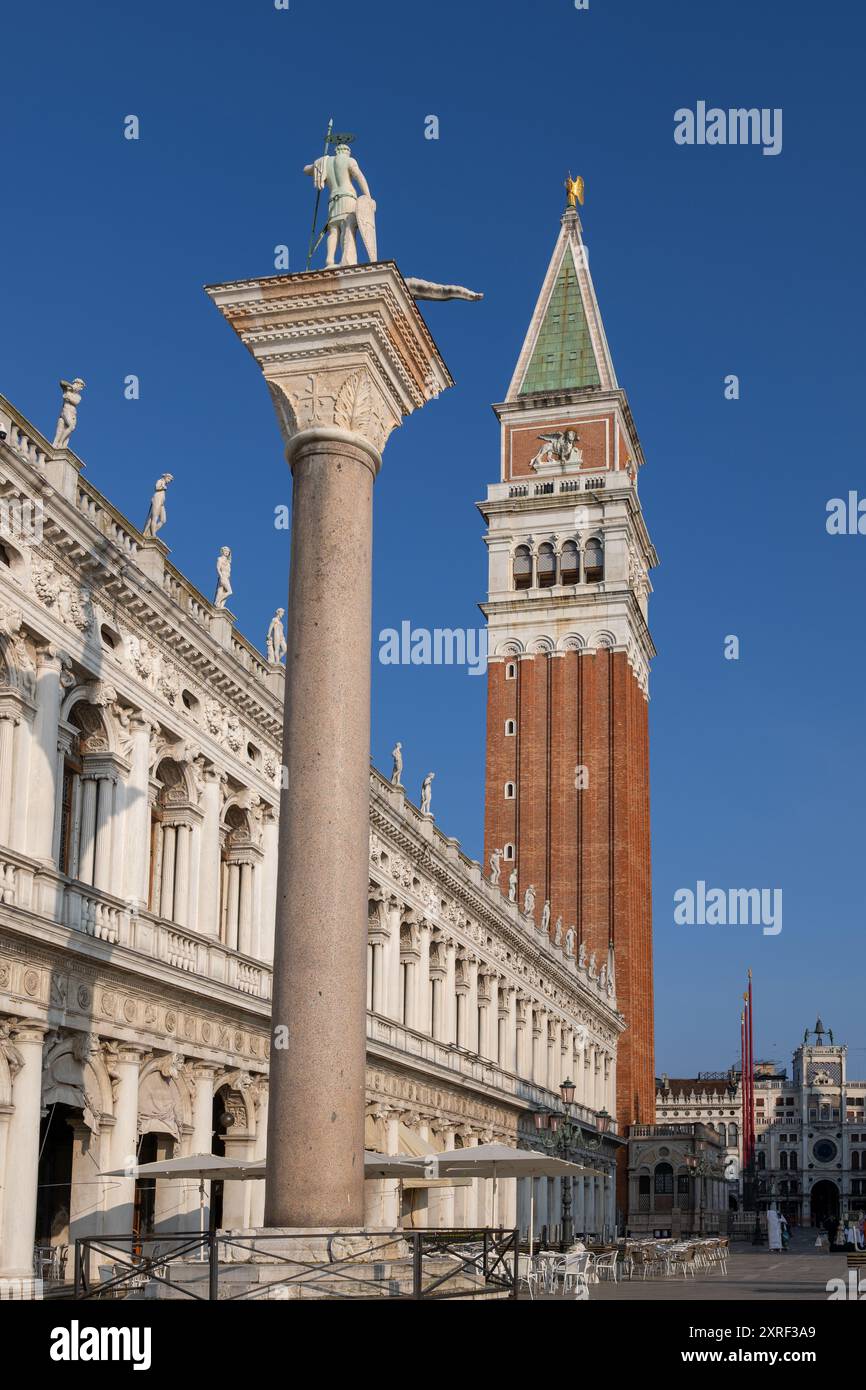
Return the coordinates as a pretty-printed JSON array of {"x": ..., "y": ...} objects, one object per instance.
[
  {"x": 567, "y": 794},
  {"x": 810, "y": 1128},
  {"x": 139, "y": 792}
]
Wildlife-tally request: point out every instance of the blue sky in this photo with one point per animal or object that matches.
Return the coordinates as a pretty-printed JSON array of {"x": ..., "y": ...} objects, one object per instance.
[{"x": 707, "y": 261}]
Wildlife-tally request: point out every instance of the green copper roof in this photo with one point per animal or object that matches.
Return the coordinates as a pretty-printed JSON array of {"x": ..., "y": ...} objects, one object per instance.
[{"x": 563, "y": 355}]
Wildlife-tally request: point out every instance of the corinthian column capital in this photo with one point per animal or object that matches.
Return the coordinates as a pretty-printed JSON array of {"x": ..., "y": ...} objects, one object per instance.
[{"x": 345, "y": 352}]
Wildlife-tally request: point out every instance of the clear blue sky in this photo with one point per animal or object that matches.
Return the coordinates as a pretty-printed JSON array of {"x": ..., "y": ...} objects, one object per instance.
[{"x": 706, "y": 260}]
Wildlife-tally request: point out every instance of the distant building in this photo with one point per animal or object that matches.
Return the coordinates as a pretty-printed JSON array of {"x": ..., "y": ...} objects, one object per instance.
[
  {"x": 810, "y": 1129},
  {"x": 676, "y": 1179}
]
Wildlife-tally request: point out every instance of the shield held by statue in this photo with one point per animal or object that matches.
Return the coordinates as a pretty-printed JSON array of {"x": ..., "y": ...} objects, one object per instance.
[{"x": 365, "y": 214}]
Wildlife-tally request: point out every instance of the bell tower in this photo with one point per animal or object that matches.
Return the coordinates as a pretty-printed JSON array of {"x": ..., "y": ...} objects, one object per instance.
[{"x": 567, "y": 782}]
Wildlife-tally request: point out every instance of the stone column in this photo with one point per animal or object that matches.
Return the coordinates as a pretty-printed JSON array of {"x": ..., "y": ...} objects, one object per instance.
[
  {"x": 346, "y": 354},
  {"x": 166, "y": 895},
  {"x": 183, "y": 838},
  {"x": 233, "y": 889},
  {"x": 422, "y": 978},
  {"x": 120, "y": 1192},
  {"x": 88, "y": 829},
  {"x": 22, "y": 1152},
  {"x": 137, "y": 813},
  {"x": 102, "y": 860},
  {"x": 245, "y": 909},
  {"x": 269, "y": 884},
  {"x": 202, "y": 1128},
  {"x": 579, "y": 1207},
  {"x": 7, "y": 745},
  {"x": 210, "y": 864},
  {"x": 43, "y": 757}
]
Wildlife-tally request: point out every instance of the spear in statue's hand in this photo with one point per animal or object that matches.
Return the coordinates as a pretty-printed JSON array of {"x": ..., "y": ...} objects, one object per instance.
[{"x": 313, "y": 242}]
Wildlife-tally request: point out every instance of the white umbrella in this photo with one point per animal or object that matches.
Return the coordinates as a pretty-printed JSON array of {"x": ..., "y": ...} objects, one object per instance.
[{"x": 499, "y": 1161}]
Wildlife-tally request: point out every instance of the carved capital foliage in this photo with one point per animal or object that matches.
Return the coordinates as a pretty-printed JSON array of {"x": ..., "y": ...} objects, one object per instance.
[{"x": 349, "y": 400}]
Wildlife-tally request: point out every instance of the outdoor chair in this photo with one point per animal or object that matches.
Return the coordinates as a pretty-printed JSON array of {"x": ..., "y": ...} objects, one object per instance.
[
  {"x": 604, "y": 1266},
  {"x": 575, "y": 1271},
  {"x": 528, "y": 1275}
]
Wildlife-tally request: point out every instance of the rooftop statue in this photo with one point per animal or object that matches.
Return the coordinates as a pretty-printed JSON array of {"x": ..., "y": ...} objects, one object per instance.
[{"x": 68, "y": 412}]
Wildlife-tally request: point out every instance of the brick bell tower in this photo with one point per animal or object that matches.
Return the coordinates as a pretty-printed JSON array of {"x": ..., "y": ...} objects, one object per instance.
[{"x": 567, "y": 795}]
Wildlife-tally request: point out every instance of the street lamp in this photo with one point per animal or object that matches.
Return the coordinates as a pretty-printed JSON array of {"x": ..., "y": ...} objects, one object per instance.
[{"x": 560, "y": 1132}]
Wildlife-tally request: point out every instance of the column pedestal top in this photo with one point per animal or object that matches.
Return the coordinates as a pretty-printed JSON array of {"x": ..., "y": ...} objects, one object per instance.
[{"x": 344, "y": 350}]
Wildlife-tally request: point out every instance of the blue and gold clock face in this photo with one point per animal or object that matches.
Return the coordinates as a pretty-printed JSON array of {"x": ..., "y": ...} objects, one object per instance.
[{"x": 824, "y": 1150}]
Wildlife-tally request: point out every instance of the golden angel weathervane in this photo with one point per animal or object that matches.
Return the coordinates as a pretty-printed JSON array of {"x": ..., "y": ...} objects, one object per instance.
[{"x": 574, "y": 189}]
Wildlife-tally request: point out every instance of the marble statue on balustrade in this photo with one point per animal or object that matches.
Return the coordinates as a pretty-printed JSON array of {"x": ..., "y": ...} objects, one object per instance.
[
  {"x": 68, "y": 411},
  {"x": 495, "y": 870},
  {"x": 512, "y": 885},
  {"x": 427, "y": 793},
  {"x": 276, "y": 639},
  {"x": 529, "y": 901},
  {"x": 569, "y": 941},
  {"x": 224, "y": 578},
  {"x": 557, "y": 934},
  {"x": 397, "y": 765},
  {"x": 348, "y": 211},
  {"x": 545, "y": 916},
  {"x": 156, "y": 515},
  {"x": 581, "y": 957}
]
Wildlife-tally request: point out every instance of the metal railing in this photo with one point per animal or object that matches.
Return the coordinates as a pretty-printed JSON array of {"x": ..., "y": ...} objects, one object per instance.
[{"x": 210, "y": 1266}]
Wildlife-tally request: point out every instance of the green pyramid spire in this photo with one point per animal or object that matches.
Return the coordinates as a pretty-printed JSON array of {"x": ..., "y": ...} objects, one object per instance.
[{"x": 563, "y": 356}]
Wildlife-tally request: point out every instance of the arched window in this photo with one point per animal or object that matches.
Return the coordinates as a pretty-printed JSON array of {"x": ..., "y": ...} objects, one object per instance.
[
  {"x": 511, "y": 671},
  {"x": 783, "y": 1162},
  {"x": 855, "y": 1162},
  {"x": 508, "y": 852},
  {"x": 546, "y": 566},
  {"x": 510, "y": 728},
  {"x": 792, "y": 1161},
  {"x": 522, "y": 567},
  {"x": 664, "y": 1180},
  {"x": 762, "y": 1161},
  {"x": 240, "y": 860},
  {"x": 593, "y": 561},
  {"x": 569, "y": 564},
  {"x": 509, "y": 791}
]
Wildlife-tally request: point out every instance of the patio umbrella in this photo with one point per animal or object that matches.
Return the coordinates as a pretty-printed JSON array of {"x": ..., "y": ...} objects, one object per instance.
[
  {"x": 499, "y": 1161},
  {"x": 213, "y": 1168}
]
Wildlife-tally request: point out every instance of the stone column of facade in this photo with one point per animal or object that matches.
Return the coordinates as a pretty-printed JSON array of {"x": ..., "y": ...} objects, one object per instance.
[
  {"x": 422, "y": 975},
  {"x": 346, "y": 355},
  {"x": 579, "y": 1207},
  {"x": 270, "y": 832},
  {"x": 102, "y": 860},
  {"x": 43, "y": 758},
  {"x": 202, "y": 1076},
  {"x": 137, "y": 813},
  {"x": 88, "y": 828},
  {"x": 209, "y": 856},
  {"x": 22, "y": 1154},
  {"x": 260, "y": 1150},
  {"x": 183, "y": 847},
  {"x": 166, "y": 893},
  {"x": 120, "y": 1192},
  {"x": 7, "y": 746}
]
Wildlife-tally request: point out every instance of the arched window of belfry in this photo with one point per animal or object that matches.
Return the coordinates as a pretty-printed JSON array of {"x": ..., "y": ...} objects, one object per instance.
[
  {"x": 523, "y": 567},
  {"x": 569, "y": 564},
  {"x": 593, "y": 561},
  {"x": 546, "y": 566}
]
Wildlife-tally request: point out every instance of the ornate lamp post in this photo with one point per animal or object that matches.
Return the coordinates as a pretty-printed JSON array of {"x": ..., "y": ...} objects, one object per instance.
[
  {"x": 560, "y": 1132},
  {"x": 702, "y": 1168}
]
